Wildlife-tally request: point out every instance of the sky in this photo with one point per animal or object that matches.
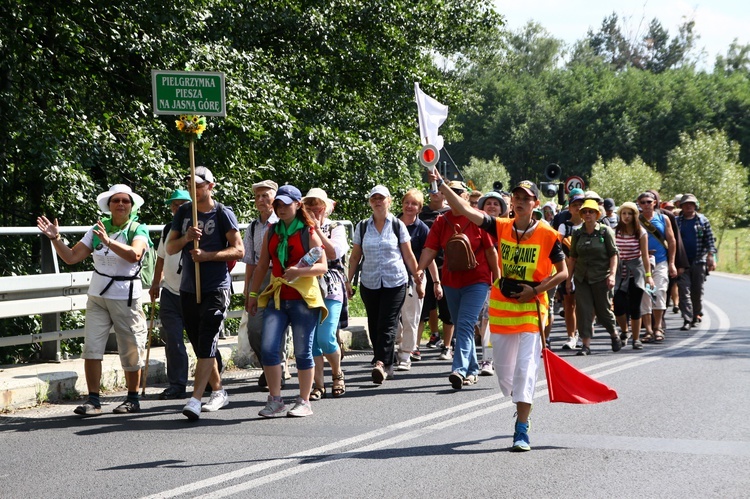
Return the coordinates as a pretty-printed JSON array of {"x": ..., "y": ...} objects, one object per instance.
[{"x": 717, "y": 22}]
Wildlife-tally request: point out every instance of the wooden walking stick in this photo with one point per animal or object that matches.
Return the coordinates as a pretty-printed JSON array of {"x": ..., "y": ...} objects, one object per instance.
[{"x": 148, "y": 347}]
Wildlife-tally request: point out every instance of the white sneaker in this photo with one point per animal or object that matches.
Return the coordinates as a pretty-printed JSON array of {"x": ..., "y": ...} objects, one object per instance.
[
  {"x": 192, "y": 409},
  {"x": 301, "y": 409},
  {"x": 446, "y": 354},
  {"x": 571, "y": 343},
  {"x": 486, "y": 368},
  {"x": 218, "y": 400},
  {"x": 404, "y": 365}
]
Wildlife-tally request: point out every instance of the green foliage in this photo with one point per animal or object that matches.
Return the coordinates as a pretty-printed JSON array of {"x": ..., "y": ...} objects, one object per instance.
[
  {"x": 484, "y": 173},
  {"x": 623, "y": 181},
  {"x": 708, "y": 166}
]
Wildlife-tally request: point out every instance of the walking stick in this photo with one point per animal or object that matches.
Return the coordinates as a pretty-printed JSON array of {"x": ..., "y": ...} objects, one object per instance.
[{"x": 148, "y": 347}]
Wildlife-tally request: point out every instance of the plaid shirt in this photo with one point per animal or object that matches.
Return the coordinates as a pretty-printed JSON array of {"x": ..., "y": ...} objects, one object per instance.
[{"x": 705, "y": 241}]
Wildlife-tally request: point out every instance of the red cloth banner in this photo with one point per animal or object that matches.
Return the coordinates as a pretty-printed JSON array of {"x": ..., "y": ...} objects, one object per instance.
[{"x": 569, "y": 385}]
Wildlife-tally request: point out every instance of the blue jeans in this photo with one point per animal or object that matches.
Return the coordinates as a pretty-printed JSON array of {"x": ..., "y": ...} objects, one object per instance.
[
  {"x": 465, "y": 304},
  {"x": 325, "y": 334},
  {"x": 275, "y": 322},
  {"x": 170, "y": 313}
]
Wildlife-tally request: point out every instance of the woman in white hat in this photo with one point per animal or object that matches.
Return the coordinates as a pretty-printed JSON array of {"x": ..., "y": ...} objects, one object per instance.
[
  {"x": 118, "y": 243},
  {"x": 333, "y": 236}
]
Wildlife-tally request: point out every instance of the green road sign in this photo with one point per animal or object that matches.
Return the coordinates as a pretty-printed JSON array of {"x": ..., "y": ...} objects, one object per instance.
[{"x": 188, "y": 92}]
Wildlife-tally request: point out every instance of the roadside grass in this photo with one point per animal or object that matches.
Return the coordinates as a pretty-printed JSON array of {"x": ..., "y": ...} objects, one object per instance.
[{"x": 734, "y": 251}]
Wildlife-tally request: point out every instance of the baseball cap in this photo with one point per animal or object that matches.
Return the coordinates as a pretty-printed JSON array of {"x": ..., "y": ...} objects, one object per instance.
[
  {"x": 609, "y": 204},
  {"x": 528, "y": 186},
  {"x": 287, "y": 194},
  {"x": 380, "y": 189},
  {"x": 575, "y": 192},
  {"x": 202, "y": 175},
  {"x": 265, "y": 184}
]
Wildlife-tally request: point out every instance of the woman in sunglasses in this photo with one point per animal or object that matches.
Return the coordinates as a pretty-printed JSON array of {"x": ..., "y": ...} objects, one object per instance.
[
  {"x": 118, "y": 243},
  {"x": 593, "y": 260}
]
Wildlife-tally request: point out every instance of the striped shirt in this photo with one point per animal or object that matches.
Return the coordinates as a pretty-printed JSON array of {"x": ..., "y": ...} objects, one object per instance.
[{"x": 629, "y": 245}]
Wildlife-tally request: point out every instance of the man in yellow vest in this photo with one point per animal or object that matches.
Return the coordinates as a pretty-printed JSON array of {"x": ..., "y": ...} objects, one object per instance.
[{"x": 528, "y": 252}]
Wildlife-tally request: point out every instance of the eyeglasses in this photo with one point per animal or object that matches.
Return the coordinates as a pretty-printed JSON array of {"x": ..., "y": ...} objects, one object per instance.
[
  {"x": 588, "y": 212},
  {"x": 120, "y": 201},
  {"x": 645, "y": 201}
]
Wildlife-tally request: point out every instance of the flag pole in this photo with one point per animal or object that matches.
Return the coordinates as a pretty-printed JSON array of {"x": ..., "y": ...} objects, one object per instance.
[{"x": 191, "y": 145}]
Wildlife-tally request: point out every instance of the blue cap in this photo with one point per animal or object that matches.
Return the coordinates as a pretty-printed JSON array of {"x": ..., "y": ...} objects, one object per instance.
[
  {"x": 178, "y": 195},
  {"x": 288, "y": 194},
  {"x": 575, "y": 192}
]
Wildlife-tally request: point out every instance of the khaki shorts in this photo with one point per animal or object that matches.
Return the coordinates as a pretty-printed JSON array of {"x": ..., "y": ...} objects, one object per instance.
[{"x": 129, "y": 327}]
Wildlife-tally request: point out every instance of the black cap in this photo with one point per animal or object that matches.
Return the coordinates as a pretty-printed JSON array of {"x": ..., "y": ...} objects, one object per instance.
[{"x": 528, "y": 186}]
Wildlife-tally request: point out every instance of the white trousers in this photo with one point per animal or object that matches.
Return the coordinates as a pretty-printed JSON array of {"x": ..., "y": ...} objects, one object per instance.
[
  {"x": 408, "y": 328},
  {"x": 517, "y": 358}
]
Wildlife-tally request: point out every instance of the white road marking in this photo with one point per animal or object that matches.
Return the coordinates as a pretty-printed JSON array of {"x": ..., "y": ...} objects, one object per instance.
[{"x": 615, "y": 365}]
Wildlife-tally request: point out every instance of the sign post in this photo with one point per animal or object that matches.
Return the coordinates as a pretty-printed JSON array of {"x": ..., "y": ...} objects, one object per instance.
[{"x": 191, "y": 95}]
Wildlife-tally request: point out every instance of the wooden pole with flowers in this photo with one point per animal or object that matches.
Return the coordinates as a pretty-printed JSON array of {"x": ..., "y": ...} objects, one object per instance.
[{"x": 193, "y": 126}]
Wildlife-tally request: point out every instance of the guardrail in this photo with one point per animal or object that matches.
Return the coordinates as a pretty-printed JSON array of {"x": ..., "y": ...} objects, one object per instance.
[{"x": 51, "y": 293}]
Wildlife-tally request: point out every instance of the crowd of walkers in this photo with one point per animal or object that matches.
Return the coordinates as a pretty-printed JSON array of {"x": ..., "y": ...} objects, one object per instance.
[{"x": 494, "y": 268}]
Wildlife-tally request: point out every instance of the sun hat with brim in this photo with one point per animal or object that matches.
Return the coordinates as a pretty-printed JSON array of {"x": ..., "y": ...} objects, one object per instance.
[
  {"x": 103, "y": 199},
  {"x": 629, "y": 205},
  {"x": 590, "y": 204},
  {"x": 689, "y": 198},
  {"x": 457, "y": 185},
  {"x": 318, "y": 193},
  {"x": 493, "y": 195},
  {"x": 178, "y": 195},
  {"x": 287, "y": 194},
  {"x": 593, "y": 195},
  {"x": 379, "y": 189}
]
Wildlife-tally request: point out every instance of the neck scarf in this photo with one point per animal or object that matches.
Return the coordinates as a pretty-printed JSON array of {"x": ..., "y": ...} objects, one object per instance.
[
  {"x": 112, "y": 229},
  {"x": 284, "y": 231}
]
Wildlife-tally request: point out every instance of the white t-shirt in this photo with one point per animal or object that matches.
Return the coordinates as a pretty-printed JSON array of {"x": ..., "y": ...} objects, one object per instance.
[
  {"x": 108, "y": 263},
  {"x": 171, "y": 280}
]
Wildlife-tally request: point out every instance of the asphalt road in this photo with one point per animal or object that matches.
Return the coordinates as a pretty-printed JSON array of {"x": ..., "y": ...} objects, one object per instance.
[{"x": 680, "y": 428}]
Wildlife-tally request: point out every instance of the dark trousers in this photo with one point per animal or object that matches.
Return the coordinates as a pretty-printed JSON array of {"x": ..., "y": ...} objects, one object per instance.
[
  {"x": 690, "y": 286},
  {"x": 170, "y": 313},
  {"x": 383, "y": 307}
]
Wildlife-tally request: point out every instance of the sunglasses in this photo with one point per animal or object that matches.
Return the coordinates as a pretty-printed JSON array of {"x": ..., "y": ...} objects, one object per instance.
[
  {"x": 646, "y": 201},
  {"x": 120, "y": 201}
]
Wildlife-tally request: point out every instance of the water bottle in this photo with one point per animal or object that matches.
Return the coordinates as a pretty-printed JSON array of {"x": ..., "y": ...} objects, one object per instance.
[{"x": 309, "y": 259}]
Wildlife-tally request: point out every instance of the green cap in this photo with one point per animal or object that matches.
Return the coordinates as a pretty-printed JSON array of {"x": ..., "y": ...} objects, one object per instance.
[{"x": 179, "y": 195}]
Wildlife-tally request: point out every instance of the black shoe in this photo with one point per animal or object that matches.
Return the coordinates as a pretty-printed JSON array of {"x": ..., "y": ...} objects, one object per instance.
[
  {"x": 457, "y": 380},
  {"x": 675, "y": 310},
  {"x": 584, "y": 351},
  {"x": 127, "y": 407},
  {"x": 173, "y": 393},
  {"x": 686, "y": 326},
  {"x": 616, "y": 344}
]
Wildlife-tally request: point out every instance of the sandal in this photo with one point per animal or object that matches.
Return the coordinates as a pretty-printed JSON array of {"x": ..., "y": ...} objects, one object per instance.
[
  {"x": 658, "y": 335},
  {"x": 647, "y": 338},
  {"x": 318, "y": 393},
  {"x": 339, "y": 387}
]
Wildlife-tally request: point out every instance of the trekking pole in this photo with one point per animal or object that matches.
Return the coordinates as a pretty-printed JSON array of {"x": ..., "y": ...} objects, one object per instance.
[{"x": 148, "y": 347}]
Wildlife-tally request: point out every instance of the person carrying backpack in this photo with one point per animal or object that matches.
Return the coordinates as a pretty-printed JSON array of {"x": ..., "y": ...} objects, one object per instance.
[
  {"x": 114, "y": 293},
  {"x": 469, "y": 268}
]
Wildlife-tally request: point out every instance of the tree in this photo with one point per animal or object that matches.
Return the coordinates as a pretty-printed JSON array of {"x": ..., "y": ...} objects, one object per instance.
[
  {"x": 708, "y": 165},
  {"x": 484, "y": 173},
  {"x": 623, "y": 181}
]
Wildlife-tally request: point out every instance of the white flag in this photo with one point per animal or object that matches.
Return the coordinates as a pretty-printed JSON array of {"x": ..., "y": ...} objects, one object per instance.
[{"x": 432, "y": 114}]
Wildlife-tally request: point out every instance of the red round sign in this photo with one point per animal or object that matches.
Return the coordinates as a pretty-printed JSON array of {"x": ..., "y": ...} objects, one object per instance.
[{"x": 573, "y": 182}]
